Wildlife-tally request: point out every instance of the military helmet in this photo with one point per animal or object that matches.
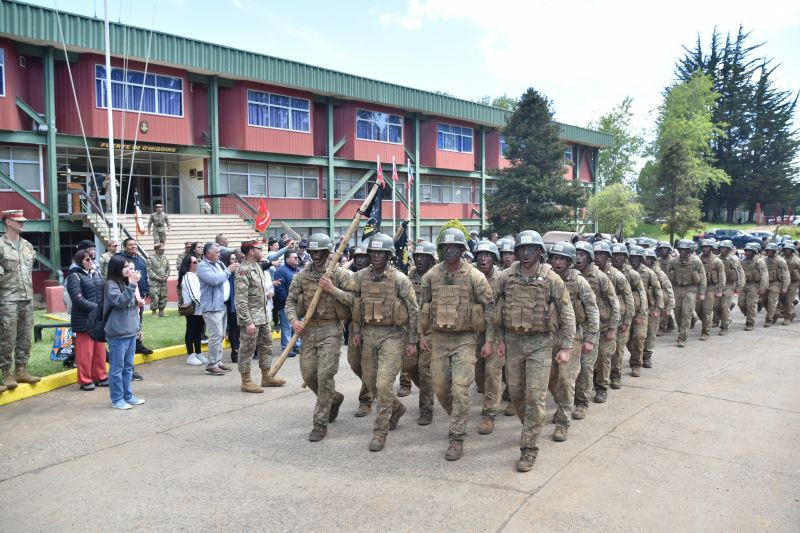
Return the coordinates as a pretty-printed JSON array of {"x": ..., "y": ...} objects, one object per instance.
[
  {"x": 487, "y": 246},
  {"x": 684, "y": 244},
  {"x": 753, "y": 247},
  {"x": 708, "y": 242},
  {"x": 528, "y": 237},
  {"x": 505, "y": 245},
  {"x": 664, "y": 244},
  {"x": 586, "y": 247},
  {"x": 319, "y": 241},
  {"x": 727, "y": 243},
  {"x": 649, "y": 252},
  {"x": 636, "y": 251},
  {"x": 787, "y": 245},
  {"x": 619, "y": 248},
  {"x": 601, "y": 246},
  {"x": 426, "y": 248},
  {"x": 360, "y": 249},
  {"x": 380, "y": 242},
  {"x": 565, "y": 249},
  {"x": 772, "y": 246},
  {"x": 453, "y": 236},
  {"x": 647, "y": 241}
]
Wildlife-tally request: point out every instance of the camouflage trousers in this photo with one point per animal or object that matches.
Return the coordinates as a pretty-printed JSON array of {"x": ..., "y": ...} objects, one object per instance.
[
  {"x": 601, "y": 371},
  {"x": 418, "y": 370},
  {"x": 159, "y": 235},
  {"x": 585, "y": 376},
  {"x": 452, "y": 372},
  {"x": 748, "y": 299},
  {"x": 354, "y": 359},
  {"x": 787, "y": 302},
  {"x": 685, "y": 298},
  {"x": 158, "y": 296},
  {"x": 489, "y": 377},
  {"x": 618, "y": 357},
  {"x": 16, "y": 327},
  {"x": 528, "y": 360},
  {"x": 771, "y": 299},
  {"x": 705, "y": 311},
  {"x": 562, "y": 383},
  {"x": 650, "y": 340},
  {"x": 722, "y": 310},
  {"x": 319, "y": 362},
  {"x": 381, "y": 359},
  {"x": 260, "y": 342},
  {"x": 636, "y": 340}
]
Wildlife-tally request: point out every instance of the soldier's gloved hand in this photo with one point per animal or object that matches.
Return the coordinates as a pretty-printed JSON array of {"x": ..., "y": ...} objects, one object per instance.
[
  {"x": 411, "y": 349},
  {"x": 356, "y": 339},
  {"x": 486, "y": 351},
  {"x": 611, "y": 334},
  {"x": 297, "y": 326},
  {"x": 623, "y": 328},
  {"x": 250, "y": 329},
  {"x": 563, "y": 356},
  {"x": 637, "y": 320},
  {"x": 717, "y": 295},
  {"x": 423, "y": 344},
  {"x": 587, "y": 347},
  {"x": 326, "y": 284},
  {"x": 654, "y": 314},
  {"x": 701, "y": 297},
  {"x": 501, "y": 348}
]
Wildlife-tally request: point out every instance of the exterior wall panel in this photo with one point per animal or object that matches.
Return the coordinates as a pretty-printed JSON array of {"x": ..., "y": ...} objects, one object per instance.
[{"x": 11, "y": 118}]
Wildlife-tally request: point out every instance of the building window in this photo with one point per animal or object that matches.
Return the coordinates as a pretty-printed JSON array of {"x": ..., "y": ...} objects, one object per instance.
[
  {"x": 2, "y": 72},
  {"x": 503, "y": 146},
  {"x": 273, "y": 181},
  {"x": 447, "y": 190},
  {"x": 454, "y": 138},
  {"x": 381, "y": 127},
  {"x": 276, "y": 111},
  {"x": 157, "y": 94},
  {"x": 293, "y": 182},
  {"x": 247, "y": 179},
  {"x": 21, "y": 164},
  {"x": 568, "y": 154}
]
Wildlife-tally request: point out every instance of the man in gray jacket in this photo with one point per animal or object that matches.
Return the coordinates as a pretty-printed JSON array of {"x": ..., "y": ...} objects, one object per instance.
[{"x": 214, "y": 291}]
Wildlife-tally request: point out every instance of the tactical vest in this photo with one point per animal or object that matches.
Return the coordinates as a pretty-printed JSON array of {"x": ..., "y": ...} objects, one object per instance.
[
  {"x": 711, "y": 272},
  {"x": 328, "y": 309},
  {"x": 525, "y": 310},
  {"x": 453, "y": 307},
  {"x": 379, "y": 303},
  {"x": 577, "y": 305},
  {"x": 751, "y": 272},
  {"x": 619, "y": 286},
  {"x": 684, "y": 274},
  {"x": 637, "y": 299},
  {"x": 731, "y": 275},
  {"x": 416, "y": 282},
  {"x": 594, "y": 282},
  {"x": 794, "y": 269},
  {"x": 773, "y": 269}
]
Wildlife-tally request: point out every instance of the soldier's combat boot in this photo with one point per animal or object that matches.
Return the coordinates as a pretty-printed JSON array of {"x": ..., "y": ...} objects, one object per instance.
[
  {"x": 704, "y": 336},
  {"x": 404, "y": 390},
  {"x": 8, "y": 379},
  {"x": 510, "y": 410},
  {"x": 748, "y": 327},
  {"x": 694, "y": 321},
  {"x": 787, "y": 321},
  {"x": 616, "y": 382},
  {"x": 21, "y": 375},
  {"x": 487, "y": 425},
  {"x": 363, "y": 410},
  {"x": 767, "y": 323},
  {"x": 248, "y": 385},
  {"x": 601, "y": 396},
  {"x": 377, "y": 442},
  {"x": 526, "y": 459},
  {"x": 337, "y": 403},
  {"x": 161, "y": 313},
  {"x": 425, "y": 418},
  {"x": 396, "y": 414},
  {"x": 579, "y": 413},
  {"x": 647, "y": 361},
  {"x": 636, "y": 371},
  {"x": 317, "y": 434},
  {"x": 681, "y": 343},
  {"x": 454, "y": 451},
  {"x": 560, "y": 434},
  {"x": 723, "y": 332},
  {"x": 153, "y": 312},
  {"x": 267, "y": 381}
]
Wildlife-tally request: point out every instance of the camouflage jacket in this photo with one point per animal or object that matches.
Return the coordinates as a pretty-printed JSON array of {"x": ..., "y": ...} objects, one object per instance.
[
  {"x": 637, "y": 287},
  {"x": 689, "y": 273},
  {"x": 402, "y": 289},
  {"x": 16, "y": 270},
  {"x": 159, "y": 220},
  {"x": 624, "y": 294},
  {"x": 158, "y": 268},
  {"x": 714, "y": 268},
  {"x": 250, "y": 295},
  {"x": 652, "y": 286},
  {"x": 343, "y": 289},
  {"x": 605, "y": 295},
  {"x": 102, "y": 263},
  {"x": 584, "y": 304}
]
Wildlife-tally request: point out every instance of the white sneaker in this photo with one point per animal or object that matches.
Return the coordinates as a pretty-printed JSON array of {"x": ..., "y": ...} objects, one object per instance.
[
  {"x": 193, "y": 360},
  {"x": 203, "y": 359}
]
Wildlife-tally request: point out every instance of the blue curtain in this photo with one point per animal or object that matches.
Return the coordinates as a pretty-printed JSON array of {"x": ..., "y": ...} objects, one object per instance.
[{"x": 169, "y": 103}]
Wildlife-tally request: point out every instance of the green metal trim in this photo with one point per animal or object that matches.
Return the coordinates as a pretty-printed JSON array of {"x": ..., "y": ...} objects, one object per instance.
[
  {"x": 483, "y": 179},
  {"x": 31, "y": 112},
  {"x": 409, "y": 154},
  {"x": 399, "y": 193},
  {"x": 331, "y": 170},
  {"x": 352, "y": 192},
  {"x": 585, "y": 136},
  {"x": 32, "y": 50},
  {"x": 417, "y": 176},
  {"x": 50, "y": 157},
  {"x": 213, "y": 125},
  {"x": 17, "y": 188},
  {"x": 338, "y": 146},
  {"x": 44, "y": 261}
]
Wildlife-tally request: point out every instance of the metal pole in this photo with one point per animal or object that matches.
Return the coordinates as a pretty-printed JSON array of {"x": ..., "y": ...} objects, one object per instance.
[
  {"x": 109, "y": 107},
  {"x": 394, "y": 196},
  {"x": 51, "y": 173},
  {"x": 331, "y": 169}
]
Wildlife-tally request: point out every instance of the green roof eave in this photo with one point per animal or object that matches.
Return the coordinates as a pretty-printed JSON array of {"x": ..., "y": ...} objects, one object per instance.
[{"x": 585, "y": 136}]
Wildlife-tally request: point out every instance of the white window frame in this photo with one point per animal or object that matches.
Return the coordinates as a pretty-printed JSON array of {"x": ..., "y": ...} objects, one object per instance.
[
  {"x": 446, "y": 182},
  {"x": 155, "y": 88},
  {"x": 250, "y": 176},
  {"x": 10, "y": 162},
  {"x": 268, "y": 105},
  {"x": 3, "y": 70},
  {"x": 569, "y": 149},
  {"x": 303, "y": 178},
  {"x": 401, "y": 125},
  {"x": 502, "y": 141},
  {"x": 471, "y": 137}
]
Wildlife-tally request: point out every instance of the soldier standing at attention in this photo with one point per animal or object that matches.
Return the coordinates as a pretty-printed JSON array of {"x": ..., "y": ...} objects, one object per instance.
[
  {"x": 734, "y": 283},
  {"x": 159, "y": 220},
  {"x": 102, "y": 263},
  {"x": 756, "y": 282},
  {"x": 187, "y": 249},
  {"x": 322, "y": 334},
  {"x": 251, "y": 301},
  {"x": 608, "y": 309},
  {"x": 779, "y": 280},
  {"x": 360, "y": 262},
  {"x": 158, "y": 270},
  {"x": 488, "y": 370},
  {"x": 384, "y": 309},
  {"x": 457, "y": 305},
  {"x": 419, "y": 366},
  {"x": 715, "y": 285},
  {"x": 793, "y": 264},
  {"x": 526, "y": 293},
  {"x": 655, "y": 304},
  {"x": 587, "y": 324},
  {"x": 688, "y": 278},
  {"x": 638, "y": 331},
  {"x": 16, "y": 301}
]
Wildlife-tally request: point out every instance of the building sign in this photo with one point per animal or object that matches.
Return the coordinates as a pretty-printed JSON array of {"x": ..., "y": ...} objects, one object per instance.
[{"x": 141, "y": 147}]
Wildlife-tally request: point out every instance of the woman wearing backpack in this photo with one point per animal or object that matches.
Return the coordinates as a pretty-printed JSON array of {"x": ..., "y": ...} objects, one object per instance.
[
  {"x": 121, "y": 304},
  {"x": 85, "y": 288}
]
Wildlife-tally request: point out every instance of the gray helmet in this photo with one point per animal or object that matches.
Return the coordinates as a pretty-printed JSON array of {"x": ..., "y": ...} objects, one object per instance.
[
  {"x": 319, "y": 241},
  {"x": 601, "y": 246},
  {"x": 453, "y": 236},
  {"x": 586, "y": 247},
  {"x": 753, "y": 247},
  {"x": 664, "y": 244},
  {"x": 528, "y": 237},
  {"x": 787, "y": 245},
  {"x": 684, "y": 244},
  {"x": 772, "y": 246},
  {"x": 630, "y": 241},
  {"x": 708, "y": 242},
  {"x": 425, "y": 248},
  {"x": 649, "y": 252},
  {"x": 487, "y": 246},
  {"x": 380, "y": 242},
  {"x": 726, "y": 244},
  {"x": 505, "y": 245},
  {"x": 565, "y": 249},
  {"x": 636, "y": 251},
  {"x": 647, "y": 241},
  {"x": 619, "y": 248},
  {"x": 360, "y": 249}
]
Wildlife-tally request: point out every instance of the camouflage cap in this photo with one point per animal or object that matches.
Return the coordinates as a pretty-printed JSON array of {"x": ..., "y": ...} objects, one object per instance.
[{"x": 14, "y": 214}]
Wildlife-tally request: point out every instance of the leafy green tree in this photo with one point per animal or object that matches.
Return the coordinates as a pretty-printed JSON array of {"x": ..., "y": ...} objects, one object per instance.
[
  {"x": 677, "y": 190},
  {"x": 503, "y": 102},
  {"x": 614, "y": 205},
  {"x": 617, "y": 164},
  {"x": 532, "y": 193}
]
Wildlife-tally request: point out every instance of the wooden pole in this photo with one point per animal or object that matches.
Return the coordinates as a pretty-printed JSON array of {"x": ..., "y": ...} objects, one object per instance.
[{"x": 334, "y": 261}]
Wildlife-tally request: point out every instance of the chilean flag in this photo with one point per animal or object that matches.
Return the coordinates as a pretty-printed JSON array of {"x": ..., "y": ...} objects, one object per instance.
[
  {"x": 263, "y": 218},
  {"x": 380, "y": 174},
  {"x": 410, "y": 178}
]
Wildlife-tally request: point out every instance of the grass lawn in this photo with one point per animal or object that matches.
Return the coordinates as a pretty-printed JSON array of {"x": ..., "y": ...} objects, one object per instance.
[
  {"x": 654, "y": 230},
  {"x": 158, "y": 333}
]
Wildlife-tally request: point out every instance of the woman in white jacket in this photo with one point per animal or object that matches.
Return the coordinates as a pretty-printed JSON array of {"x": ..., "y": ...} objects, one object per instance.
[{"x": 189, "y": 287}]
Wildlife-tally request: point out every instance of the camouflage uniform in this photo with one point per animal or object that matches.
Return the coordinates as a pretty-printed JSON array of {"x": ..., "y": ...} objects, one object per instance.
[
  {"x": 322, "y": 336},
  {"x": 793, "y": 264},
  {"x": 251, "y": 308},
  {"x": 158, "y": 221},
  {"x": 734, "y": 283},
  {"x": 16, "y": 302},
  {"x": 608, "y": 305},
  {"x": 157, "y": 272},
  {"x": 637, "y": 333},
  {"x": 715, "y": 284},
  {"x": 779, "y": 279},
  {"x": 669, "y": 298},
  {"x": 102, "y": 263},
  {"x": 528, "y": 332},
  {"x": 688, "y": 278},
  {"x": 612, "y": 359},
  {"x": 382, "y": 300},
  {"x": 418, "y": 367},
  {"x": 642, "y": 352},
  {"x": 179, "y": 260},
  {"x": 756, "y": 279},
  {"x": 489, "y": 370},
  {"x": 354, "y": 359},
  {"x": 587, "y": 324}
]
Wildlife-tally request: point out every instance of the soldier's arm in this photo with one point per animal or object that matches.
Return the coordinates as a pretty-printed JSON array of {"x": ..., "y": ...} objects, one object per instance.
[
  {"x": 425, "y": 298},
  {"x": 630, "y": 309},
  {"x": 740, "y": 276},
  {"x": 406, "y": 293},
  {"x": 166, "y": 271},
  {"x": 657, "y": 289},
  {"x": 589, "y": 301},
  {"x": 699, "y": 266},
  {"x": 721, "y": 276},
  {"x": 607, "y": 291},
  {"x": 343, "y": 287},
  {"x": 483, "y": 293},
  {"x": 356, "y": 290},
  {"x": 559, "y": 295},
  {"x": 786, "y": 278},
  {"x": 242, "y": 284},
  {"x": 166, "y": 219},
  {"x": 499, "y": 292},
  {"x": 763, "y": 284},
  {"x": 150, "y": 222},
  {"x": 642, "y": 311},
  {"x": 295, "y": 289}
]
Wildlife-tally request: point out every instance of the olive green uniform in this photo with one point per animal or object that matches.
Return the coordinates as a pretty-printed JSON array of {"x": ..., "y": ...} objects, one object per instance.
[
  {"x": 157, "y": 274},
  {"x": 612, "y": 357},
  {"x": 102, "y": 263},
  {"x": 16, "y": 302},
  {"x": 715, "y": 284},
  {"x": 158, "y": 222},
  {"x": 179, "y": 260},
  {"x": 779, "y": 280},
  {"x": 637, "y": 333},
  {"x": 251, "y": 308},
  {"x": 787, "y": 306},
  {"x": 688, "y": 278},
  {"x": 418, "y": 367},
  {"x": 489, "y": 370},
  {"x": 608, "y": 308},
  {"x": 756, "y": 280},
  {"x": 734, "y": 283},
  {"x": 660, "y": 266},
  {"x": 655, "y": 304}
]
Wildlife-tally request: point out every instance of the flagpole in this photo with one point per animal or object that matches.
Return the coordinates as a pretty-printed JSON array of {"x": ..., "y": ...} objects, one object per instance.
[
  {"x": 109, "y": 107},
  {"x": 394, "y": 195}
]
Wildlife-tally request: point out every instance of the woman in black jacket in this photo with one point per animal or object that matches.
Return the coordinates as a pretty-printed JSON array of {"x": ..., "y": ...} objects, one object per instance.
[{"x": 85, "y": 287}]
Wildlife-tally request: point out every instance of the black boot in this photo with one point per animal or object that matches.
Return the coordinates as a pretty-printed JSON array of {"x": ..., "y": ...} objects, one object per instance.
[
  {"x": 234, "y": 356},
  {"x": 142, "y": 349}
]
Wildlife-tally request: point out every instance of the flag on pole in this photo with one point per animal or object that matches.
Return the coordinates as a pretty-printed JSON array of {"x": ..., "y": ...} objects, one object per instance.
[
  {"x": 373, "y": 214},
  {"x": 410, "y": 180},
  {"x": 380, "y": 174},
  {"x": 401, "y": 255},
  {"x": 137, "y": 215},
  {"x": 263, "y": 218},
  {"x": 394, "y": 172}
]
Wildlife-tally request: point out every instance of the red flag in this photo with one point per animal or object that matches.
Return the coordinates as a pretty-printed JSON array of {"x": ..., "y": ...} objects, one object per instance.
[
  {"x": 380, "y": 174},
  {"x": 394, "y": 172},
  {"x": 138, "y": 219},
  {"x": 410, "y": 178},
  {"x": 263, "y": 218}
]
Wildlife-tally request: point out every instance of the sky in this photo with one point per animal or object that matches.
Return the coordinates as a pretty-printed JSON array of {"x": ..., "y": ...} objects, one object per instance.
[{"x": 585, "y": 56}]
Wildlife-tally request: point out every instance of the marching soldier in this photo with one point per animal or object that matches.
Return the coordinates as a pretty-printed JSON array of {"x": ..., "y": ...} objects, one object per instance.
[
  {"x": 528, "y": 332},
  {"x": 158, "y": 220},
  {"x": 158, "y": 272},
  {"x": 756, "y": 282},
  {"x": 715, "y": 285},
  {"x": 457, "y": 305},
  {"x": 16, "y": 301},
  {"x": 187, "y": 249},
  {"x": 688, "y": 278},
  {"x": 322, "y": 334},
  {"x": 360, "y": 262},
  {"x": 506, "y": 248},
  {"x": 779, "y": 280},
  {"x": 608, "y": 309},
  {"x": 488, "y": 370},
  {"x": 638, "y": 331},
  {"x": 587, "y": 323},
  {"x": 102, "y": 263},
  {"x": 793, "y": 264},
  {"x": 419, "y": 365},
  {"x": 655, "y": 305},
  {"x": 666, "y": 323},
  {"x": 734, "y": 283}
]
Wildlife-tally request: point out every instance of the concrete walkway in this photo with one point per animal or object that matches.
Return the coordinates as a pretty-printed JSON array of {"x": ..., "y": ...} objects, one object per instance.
[{"x": 707, "y": 440}]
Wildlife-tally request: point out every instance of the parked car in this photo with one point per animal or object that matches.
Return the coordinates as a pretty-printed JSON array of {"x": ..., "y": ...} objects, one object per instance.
[
  {"x": 739, "y": 237},
  {"x": 761, "y": 234}
]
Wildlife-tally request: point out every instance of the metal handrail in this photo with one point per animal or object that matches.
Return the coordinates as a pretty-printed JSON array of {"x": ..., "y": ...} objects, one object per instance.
[
  {"x": 243, "y": 208},
  {"x": 95, "y": 209}
]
